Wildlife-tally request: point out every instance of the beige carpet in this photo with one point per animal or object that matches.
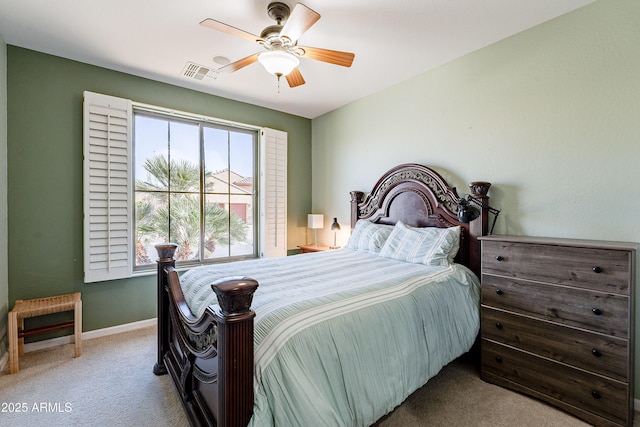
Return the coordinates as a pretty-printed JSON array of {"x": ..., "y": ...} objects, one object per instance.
[
  {"x": 458, "y": 397},
  {"x": 112, "y": 384}
]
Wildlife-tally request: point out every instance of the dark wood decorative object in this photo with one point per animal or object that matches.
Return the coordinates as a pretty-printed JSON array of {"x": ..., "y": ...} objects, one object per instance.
[
  {"x": 210, "y": 359},
  {"x": 557, "y": 323}
]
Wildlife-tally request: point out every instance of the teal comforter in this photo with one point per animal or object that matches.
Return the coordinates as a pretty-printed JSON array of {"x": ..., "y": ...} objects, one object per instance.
[{"x": 343, "y": 337}]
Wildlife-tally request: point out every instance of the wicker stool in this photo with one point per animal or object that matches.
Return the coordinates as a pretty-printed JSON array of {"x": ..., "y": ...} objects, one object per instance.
[{"x": 24, "y": 309}]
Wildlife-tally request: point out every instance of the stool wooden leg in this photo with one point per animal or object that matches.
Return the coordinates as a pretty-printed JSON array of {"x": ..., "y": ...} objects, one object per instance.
[
  {"x": 13, "y": 343},
  {"x": 21, "y": 340},
  {"x": 77, "y": 320}
]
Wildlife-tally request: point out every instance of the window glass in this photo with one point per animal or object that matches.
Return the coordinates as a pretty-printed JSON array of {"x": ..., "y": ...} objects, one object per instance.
[{"x": 194, "y": 186}]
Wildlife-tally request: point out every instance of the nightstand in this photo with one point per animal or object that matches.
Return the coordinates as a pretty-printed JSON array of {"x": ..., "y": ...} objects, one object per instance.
[{"x": 313, "y": 248}]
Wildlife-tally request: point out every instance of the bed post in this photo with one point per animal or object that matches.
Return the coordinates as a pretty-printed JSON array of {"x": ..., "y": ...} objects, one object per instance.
[
  {"x": 480, "y": 226},
  {"x": 356, "y": 198},
  {"x": 235, "y": 350},
  {"x": 165, "y": 255}
]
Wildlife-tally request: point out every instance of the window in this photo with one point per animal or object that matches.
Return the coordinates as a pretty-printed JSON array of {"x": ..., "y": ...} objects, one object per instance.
[
  {"x": 194, "y": 186},
  {"x": 215, "y": 188}
]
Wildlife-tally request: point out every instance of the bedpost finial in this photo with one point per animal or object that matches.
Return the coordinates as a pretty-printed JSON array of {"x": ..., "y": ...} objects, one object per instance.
[
  {"x": 235, "y": 294},
  {"x": 166, "y": 251},
  {"x": 479, "y": 188},
  {"x": 356, "y": 196}
]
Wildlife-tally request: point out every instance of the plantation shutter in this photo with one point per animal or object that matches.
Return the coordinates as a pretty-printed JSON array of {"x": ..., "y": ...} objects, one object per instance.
[
  {"x": 107, "y": 187},
  {"x": 273, "y": 193}
]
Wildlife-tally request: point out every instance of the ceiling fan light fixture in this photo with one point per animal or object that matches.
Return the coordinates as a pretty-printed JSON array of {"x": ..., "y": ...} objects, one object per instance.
[{"x": 278, "y": 62}]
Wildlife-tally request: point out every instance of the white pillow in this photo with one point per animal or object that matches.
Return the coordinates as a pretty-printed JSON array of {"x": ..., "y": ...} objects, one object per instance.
[
  {"x": 368, "y": 236},
  {"x": 428, "y": 245}
]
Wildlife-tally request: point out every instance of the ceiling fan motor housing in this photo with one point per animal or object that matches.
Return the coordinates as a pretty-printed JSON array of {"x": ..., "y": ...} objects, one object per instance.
[{"x": 270, "y": 32}]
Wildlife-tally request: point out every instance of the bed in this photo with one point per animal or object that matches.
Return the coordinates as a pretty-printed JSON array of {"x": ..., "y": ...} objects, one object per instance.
[{"x": 335, "y": 338}]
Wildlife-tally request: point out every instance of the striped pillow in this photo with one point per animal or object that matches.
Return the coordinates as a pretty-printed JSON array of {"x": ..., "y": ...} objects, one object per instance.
[
  {"x": 429, "y": 245},
  {"x": 368, "y": 236}
]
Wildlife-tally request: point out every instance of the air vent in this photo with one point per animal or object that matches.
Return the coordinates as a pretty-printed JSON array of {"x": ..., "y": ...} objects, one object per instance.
[{"x": 199, "y": 72}]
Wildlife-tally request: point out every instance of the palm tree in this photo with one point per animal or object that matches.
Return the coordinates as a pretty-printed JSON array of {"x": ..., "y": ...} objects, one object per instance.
[{"x": 175, "y": 216}]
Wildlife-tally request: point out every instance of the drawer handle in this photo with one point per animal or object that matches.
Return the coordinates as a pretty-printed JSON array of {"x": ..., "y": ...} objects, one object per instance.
[
  {"x": 597, "y": 269},
  {"x": 596, "y": 394},
  {"x": 499, "y": 291},
  {"x": 498, "y": 325},
  {"x": 596, "y": 311},
  {"x": 596, "y": 352},
  {"x": 499, "y": 258}
]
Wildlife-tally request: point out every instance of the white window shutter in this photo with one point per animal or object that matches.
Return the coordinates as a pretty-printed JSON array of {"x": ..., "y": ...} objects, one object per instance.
[
  {"x": 273, "y": 193},
  {"x": 108, "y": 222}
]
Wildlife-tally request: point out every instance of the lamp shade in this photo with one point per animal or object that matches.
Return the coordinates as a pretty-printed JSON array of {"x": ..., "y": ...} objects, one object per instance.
[
  {"x": 278, "y": 62},
  {"x": 466, "y": 212},
  {"x": 315, "y": 221},
  {"x": 335, "y": 226}
]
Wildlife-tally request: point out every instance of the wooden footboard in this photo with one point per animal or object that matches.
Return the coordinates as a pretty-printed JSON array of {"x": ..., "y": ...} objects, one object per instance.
[{"x": 210, "y": 358}]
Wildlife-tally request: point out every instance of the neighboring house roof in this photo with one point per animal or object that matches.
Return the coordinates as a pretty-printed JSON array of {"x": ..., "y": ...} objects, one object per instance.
[
  {"x": 248, "y": 180},
  {"x": 233, "y": 180}
]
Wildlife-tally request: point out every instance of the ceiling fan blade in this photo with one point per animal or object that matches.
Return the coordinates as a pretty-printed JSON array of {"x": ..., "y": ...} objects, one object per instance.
[
  {"x": 344, "y": 59},
  {"x": 295, "y": 78},
  {"x": 225, "y": 28},
  {"x": 240, "y": 63},
  {"x": 300, "y": 20}
]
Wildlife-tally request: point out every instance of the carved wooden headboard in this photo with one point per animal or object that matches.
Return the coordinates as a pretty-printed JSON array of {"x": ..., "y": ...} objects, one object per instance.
[{"x": 418, "y": 196}]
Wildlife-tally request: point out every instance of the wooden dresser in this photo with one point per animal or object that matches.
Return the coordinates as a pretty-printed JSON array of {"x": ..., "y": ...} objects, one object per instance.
[{"x": 558, "y": 323}]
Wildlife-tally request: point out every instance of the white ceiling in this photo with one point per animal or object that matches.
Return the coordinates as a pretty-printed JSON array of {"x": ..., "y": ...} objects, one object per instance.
[{"x": 392, "y": 40}]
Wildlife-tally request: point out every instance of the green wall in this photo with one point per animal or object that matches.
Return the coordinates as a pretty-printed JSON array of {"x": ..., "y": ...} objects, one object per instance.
[
  {"x": 45, "y": 254},
  {"x": 550, "y": 116},
  {"x": 4, "y": 283}
]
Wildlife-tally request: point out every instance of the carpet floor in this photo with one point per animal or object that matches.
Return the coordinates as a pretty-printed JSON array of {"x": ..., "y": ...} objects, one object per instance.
[{"x": 112, "y": 384}]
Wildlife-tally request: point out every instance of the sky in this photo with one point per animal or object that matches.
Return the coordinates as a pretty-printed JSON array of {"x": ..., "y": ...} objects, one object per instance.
[{"x": 152, "y": 136}]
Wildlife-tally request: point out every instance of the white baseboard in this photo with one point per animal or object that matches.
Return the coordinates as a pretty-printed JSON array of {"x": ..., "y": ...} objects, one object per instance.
[{"x": 39, "y": 345}]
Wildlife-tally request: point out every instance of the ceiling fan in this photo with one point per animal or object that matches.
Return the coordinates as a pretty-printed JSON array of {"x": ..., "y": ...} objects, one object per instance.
[{"x": 282, "y": 54}]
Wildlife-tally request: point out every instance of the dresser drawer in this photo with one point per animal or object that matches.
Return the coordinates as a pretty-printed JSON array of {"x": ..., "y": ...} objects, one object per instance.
[
  {"x": 558, "y": 383},
  {"x": 605, "y": 270},
  {"x": 599, "y": 353},
  {"x": 595, "y": 311}
]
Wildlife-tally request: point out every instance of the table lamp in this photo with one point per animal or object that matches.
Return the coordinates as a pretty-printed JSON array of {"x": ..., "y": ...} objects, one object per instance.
[
  {"x": 335, "y": 227},
  {"x": 315, "y": 221}
]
